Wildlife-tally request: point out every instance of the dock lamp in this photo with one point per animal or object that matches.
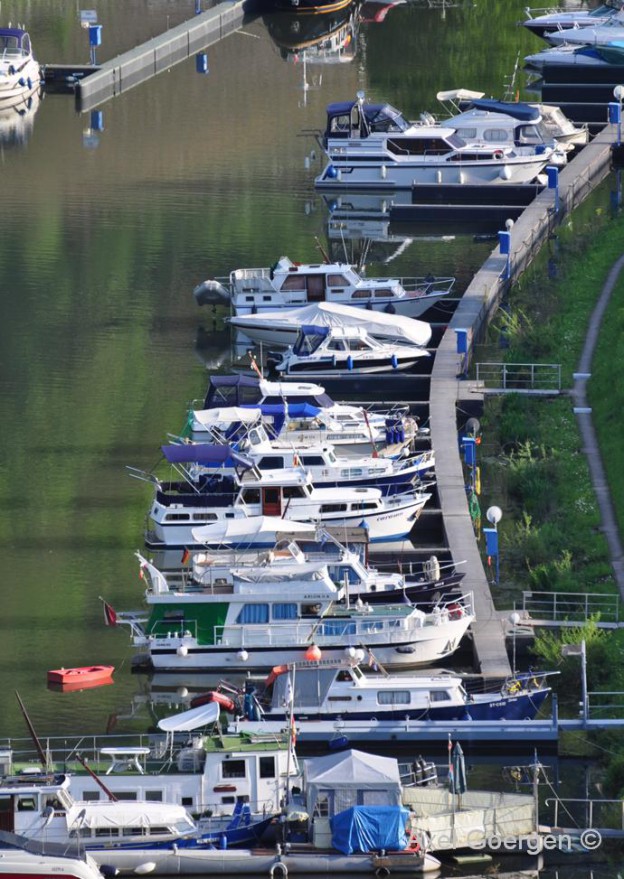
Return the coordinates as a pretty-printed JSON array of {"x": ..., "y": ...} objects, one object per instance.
[{"x": 493, "y": 515}]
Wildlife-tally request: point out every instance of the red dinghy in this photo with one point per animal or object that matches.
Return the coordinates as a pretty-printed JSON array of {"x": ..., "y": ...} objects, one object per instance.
[{"x": 85, "y": 676}]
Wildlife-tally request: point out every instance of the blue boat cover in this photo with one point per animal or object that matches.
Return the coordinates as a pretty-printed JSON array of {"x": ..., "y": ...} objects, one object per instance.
[
  {"x": 517, "y": 110},
  {"x": 234, "y": 381},
  {"x": 369, "y": 829},
  {"x": 205, "y": 453}
]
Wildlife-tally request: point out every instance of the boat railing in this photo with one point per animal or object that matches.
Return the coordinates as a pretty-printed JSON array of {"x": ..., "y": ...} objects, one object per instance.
[{"x": 427, "y": 284}]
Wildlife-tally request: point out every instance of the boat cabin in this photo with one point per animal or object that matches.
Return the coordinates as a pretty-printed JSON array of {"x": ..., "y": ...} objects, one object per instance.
[
  {"x": 14, "y": 44},
  {"x": 245, "y": 390}
]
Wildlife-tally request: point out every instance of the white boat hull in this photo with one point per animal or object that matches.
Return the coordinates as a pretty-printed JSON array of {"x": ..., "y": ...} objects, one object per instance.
[{"x": 262, "y": 647}]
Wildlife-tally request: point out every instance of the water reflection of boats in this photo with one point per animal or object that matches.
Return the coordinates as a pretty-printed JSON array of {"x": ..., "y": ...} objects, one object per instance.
[
  {"x": 17, "y": 118},
  {"x": 212, "y": 346},
  {"x": 322, "y": 39}
]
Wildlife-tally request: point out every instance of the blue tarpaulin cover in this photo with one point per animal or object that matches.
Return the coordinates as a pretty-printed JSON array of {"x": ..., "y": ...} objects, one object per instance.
[
  {"x": 369, "y": 829},
  {"x": 205, "y": 453}
]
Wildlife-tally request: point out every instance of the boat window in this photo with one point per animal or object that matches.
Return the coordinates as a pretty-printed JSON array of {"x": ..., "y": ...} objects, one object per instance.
[
  {"x": 351, "y": 472},
  {"x": 439, "y": 696},
  {"x": 337, "y": 281},
  {"x": 496, "y": 135},
  {"x": 271, "y": 462},
  {"x": 370, "y": 505},
  {"x": 359, "y": 345},
  {"x": 107, "y": 832},
  {"x": 418, "y": 146},
  {"x": 337, "y": 345},
  {"x": 90, "y": 796},
  {"x": 529, "y": 134},
  {"x": 284, "y": 611},
  {"x": 267, "y": 767},
  {"x": 320, "y": 400},
  {"x": 159, "y": 831},
  {"x": 130, "y": 795},
  {"x": 294, "y": 283},
  {"x": 26, "y": 804},
  {"x": 154, "y": 796},
  {"x": 340, "y": 124},
  {"x": 233, "y": 769},
  {"x": 133, "y": 831},
  {"x": 293, "y": 491},
  {"x": 339, "y": 698},
  {"x": 312, "y": 460},
  {"x": 338, "y": 628},
  {"x": 253, "y": 614},
  {"x": 177, "y": 517},
  {"x": 385, "y": 293},
  {"x": 393, "y": 697},
  {"x": 204, "y": 517},
  {"x": 250, "y": 495},
  {"x": 361, "y": 294},
  {"x": 467, "y": 133},
  {"x": 333, "y": 508}
]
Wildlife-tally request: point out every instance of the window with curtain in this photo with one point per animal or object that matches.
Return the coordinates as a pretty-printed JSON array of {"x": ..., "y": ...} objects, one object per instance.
[{"x": 253, "y": 614}]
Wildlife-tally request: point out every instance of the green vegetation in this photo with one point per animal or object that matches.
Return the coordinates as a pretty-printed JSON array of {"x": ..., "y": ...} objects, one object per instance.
[{"x": 532, "y": 461}]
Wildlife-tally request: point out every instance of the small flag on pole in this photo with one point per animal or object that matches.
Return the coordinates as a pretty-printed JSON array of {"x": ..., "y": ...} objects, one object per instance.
[
  {"x": 110, "y": 615},
  {"x": 186, "y": 555},
  {"x": 293, "y": 731}
]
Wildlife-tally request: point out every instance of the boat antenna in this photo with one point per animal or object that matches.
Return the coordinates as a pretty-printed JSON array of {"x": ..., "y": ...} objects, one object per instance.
[
  {"x": 324, "y": 253},
  {"x": 111, "y": 796},
  {"x": 42, "y": 757}
]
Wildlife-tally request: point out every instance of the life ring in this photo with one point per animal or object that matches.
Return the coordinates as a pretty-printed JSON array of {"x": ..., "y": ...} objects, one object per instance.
[
  {"x": 279, "y": 869},
  {"x": 498, "y": 154}
]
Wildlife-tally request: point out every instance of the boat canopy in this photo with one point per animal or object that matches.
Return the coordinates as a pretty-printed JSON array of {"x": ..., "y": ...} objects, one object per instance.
[
  {"x": 345, "y": 116},
  {"x": 459, "y": 95},
  {"x": 205, "y": 453},
  {"x": 227, "y": 415},
  {"x": 520, "y": 111},
  {"x": 192, "y": 719},
  {"x": 334, "y": 314},
  {"x": 369, "y": 829}
]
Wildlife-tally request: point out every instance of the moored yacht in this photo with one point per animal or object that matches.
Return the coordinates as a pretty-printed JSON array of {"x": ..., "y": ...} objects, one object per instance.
[
  {"x": 289, "y": 284},
  {"x": 20, "y": 75},
  {"x": 540, "y": 21},
  {"x": 344, "y": 351},
  {"x": 373, "y": 146}
]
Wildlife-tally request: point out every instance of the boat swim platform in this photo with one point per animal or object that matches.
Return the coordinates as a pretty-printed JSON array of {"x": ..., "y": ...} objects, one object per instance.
[
  {"x": 477, "y": 307},
  {"x": 158, "y": 54}
]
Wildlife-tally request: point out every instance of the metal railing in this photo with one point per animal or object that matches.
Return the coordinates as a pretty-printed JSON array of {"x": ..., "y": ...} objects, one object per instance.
[
  {"x": 520, "y": 376},
  {"x": 605, "y": 703},
  {"x": 571, "y": 606},
  {"x": 586, "y": 812}
]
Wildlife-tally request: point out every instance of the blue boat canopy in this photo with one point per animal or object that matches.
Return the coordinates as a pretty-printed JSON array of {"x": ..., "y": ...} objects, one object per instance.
[
  {"x": 517, "y": 110},
  {"x": 205, "y": 453}
]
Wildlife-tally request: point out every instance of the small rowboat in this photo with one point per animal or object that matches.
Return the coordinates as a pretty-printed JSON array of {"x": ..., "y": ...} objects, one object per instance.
[{"x": 89, "y": 675}]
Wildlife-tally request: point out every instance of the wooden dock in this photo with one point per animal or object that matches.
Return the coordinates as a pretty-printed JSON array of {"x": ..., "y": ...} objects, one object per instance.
[
  {"x": 158, "y": 54},
  {"x": 449, "y": 390}
]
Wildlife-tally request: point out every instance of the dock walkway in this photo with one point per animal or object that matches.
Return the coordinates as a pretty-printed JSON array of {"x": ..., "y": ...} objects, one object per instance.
[
  {"x": 158, "y": 54},
  {"x": 473, "y": 313}
]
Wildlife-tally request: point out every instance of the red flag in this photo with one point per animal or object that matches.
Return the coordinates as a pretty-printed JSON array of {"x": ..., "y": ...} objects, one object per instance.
[
  {"x": 293, "y": 732},
  {"x": 186, "y": 555},
  {"x": 110, "y": 615}
]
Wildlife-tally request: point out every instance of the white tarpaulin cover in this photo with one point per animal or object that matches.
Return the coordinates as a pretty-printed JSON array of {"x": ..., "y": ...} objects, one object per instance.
[
  {"x": 247, "y": 528},
  {"x": 333, "y": 314},
  {"x": 192, "y": 719},
  {"x": 226, "y": 415}
]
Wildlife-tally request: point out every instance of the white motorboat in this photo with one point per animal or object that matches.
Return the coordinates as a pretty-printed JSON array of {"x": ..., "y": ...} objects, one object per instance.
[
  {"x": 251, "y": 621},
  {"x": 373, "y": 146},
  {"x": 180, "y": 508},
  {"x": 344, "y": 351},
  {"x": 578, "y": 56},
  {"x": 282, "y": 327},
  {"x": 539, "y": 21},
  {"x": 491, "y": 121},
  {"x": 289, "y": 284},
  {"x": 594, "y": 35},
  {"x": 20, "y": 75},
  {"x": 157, "y": 778},
  {"x": 319, "y": 694},
  {"x": 198, "y": 460},
  {"x": 22, "y": 858},
  {"x": 17, "y": 119}
]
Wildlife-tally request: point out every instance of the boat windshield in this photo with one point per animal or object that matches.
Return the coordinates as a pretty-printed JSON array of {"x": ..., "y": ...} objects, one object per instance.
[
  {"x": 385, "y": 119},
  {"x": 455, "y": 141},
  {"x": 9, "y": 45}
]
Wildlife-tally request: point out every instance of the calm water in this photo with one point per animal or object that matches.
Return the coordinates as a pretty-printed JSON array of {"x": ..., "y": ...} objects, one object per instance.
[{"x": 104, "y": 236}]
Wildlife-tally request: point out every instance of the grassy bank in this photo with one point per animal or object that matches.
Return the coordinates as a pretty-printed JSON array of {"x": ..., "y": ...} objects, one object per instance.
[{"x": 531, "y": 456}]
